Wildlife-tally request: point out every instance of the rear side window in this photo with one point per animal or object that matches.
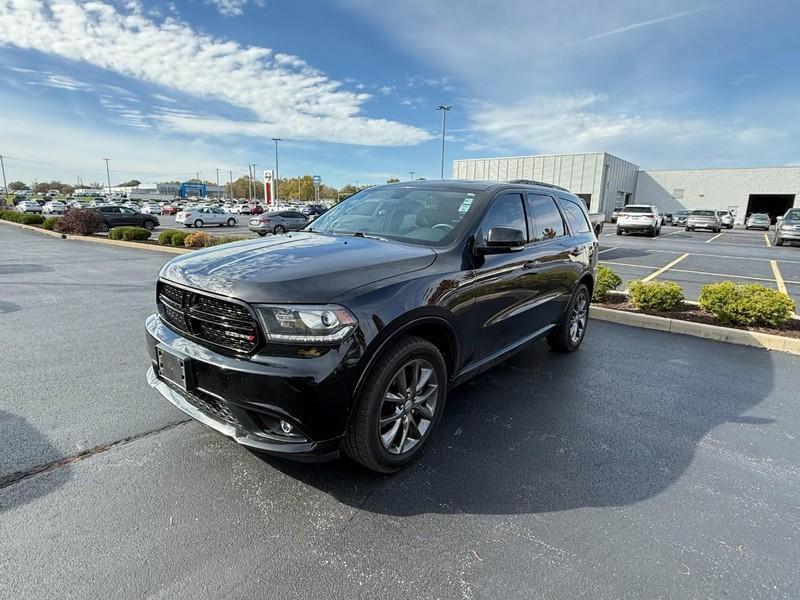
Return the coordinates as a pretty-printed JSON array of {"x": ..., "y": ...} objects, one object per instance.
[
  {"x": 505, "y": 211},
  {"x": 576, "y": 218},
  {"x": 546, "y": 221}
]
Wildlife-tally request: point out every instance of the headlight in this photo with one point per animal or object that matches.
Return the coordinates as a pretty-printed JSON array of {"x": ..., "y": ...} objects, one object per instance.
[{"x": 299, "y": 324}]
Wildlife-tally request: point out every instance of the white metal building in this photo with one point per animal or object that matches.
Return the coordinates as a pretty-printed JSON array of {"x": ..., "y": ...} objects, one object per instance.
[{"x": 606, "y": 181}]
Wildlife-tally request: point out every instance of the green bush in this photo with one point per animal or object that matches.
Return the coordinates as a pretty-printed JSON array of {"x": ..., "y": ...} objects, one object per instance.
[
  {"x": 24, "y": 218},
  {"x": 605, "y": 281},
  {"x": 179, "y": 237},
  {"x": 49, "y": 223},
  {"x": 129, "y": 234},
  {"x": 227, "y": 239},
  {"x": 655, "y": 295},
  {"x": 165, "y": 237},
  {"x": 198, "y": 240},
  {"x": 746, "y": 304}
]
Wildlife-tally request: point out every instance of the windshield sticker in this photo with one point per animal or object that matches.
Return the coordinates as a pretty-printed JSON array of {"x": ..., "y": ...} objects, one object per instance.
[{"x": 466, "y": 204}]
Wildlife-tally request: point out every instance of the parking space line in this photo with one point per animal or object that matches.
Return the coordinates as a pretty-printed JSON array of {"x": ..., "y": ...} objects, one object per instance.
[
  {"x": 665, "y": 268},
  {"x": 711, "y": 239},
  {"x": 778, "y": 277},
  {"x": 608, "y": 249},
  {"x": 619, "y": 264},
  {"x": 766, "y": 239},
  {"x": 723, "y": 275},
  {"x": 666, "y": 234}
]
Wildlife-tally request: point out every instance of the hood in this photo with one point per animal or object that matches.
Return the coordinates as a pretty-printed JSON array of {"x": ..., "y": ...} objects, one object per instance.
[{"x": 300, "y": 267}]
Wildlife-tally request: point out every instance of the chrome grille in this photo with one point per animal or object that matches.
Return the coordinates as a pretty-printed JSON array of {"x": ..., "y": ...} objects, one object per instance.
[{"x": 220, "y": 323}]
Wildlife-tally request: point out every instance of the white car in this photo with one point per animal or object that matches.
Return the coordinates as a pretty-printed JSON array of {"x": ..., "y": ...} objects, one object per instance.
[
  {"x": 726, "y": 217},
  {"x": 198, "y": 217},
  {"x": 639, "y": 217},
  {"x": 240, "y": 209},
  {"x": 29, "y": 206},
  {"x": 54, "y": 207},
  {"x": 151, "y": 208}
]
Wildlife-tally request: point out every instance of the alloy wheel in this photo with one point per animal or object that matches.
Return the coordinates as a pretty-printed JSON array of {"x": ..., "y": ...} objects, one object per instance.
[
  {"x": 408, "y": 406},
  {"x": 577, "y": 320}
]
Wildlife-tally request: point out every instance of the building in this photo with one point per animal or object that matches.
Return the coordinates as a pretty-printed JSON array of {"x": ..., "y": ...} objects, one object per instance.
[{"x": 605, "y": 181}]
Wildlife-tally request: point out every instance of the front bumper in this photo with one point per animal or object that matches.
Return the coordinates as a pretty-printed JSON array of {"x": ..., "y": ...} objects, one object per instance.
[
  {"x": 246, "y": 399},
  {"x": 791, "y": 234},
  {"x": 644, "y": 225}
]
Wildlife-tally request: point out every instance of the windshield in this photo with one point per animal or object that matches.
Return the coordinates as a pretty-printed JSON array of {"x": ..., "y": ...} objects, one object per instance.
[
  {"x": 703, "y": 213},
  {"x": 793, "y": 215},
  {"x": 413, "y": 215}
]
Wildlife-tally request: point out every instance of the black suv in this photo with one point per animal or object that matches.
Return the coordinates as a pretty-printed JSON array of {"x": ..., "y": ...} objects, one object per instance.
[
  {"x": 114, "y": 216},
  {"x": 349, "y": 334}
]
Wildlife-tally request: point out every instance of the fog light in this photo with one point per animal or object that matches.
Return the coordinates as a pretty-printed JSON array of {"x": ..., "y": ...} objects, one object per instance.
[{"x": 286, "y": 427}]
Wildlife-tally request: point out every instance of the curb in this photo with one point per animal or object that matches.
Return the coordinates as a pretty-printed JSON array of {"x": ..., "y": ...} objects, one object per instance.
[
  {"x": 100, "y": 240},
  {"x": 768, "y": 341}
]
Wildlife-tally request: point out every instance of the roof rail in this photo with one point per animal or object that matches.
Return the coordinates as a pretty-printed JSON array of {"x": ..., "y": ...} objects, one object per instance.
[{"x": 542, "y": 183}]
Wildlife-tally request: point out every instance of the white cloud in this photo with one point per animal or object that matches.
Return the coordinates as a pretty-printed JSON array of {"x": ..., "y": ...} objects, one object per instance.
[
  {"x": 284, "y": 94},
  {"x": 229, "y": 8},
  {"x": 63, "y": 82}
]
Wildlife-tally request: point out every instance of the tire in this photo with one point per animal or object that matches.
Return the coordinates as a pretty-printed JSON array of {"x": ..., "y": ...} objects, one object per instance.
[
  {"x": 564, "y": 338},
  {"x": 149, "y": 225},
  {"x": 103, "y": 227},
  {"x": 198, "y": 223},
  {"x": 231, "y": 222},
  {"x": 778, "y": 240},
  {"x": 363, "y": 440},
  {"x": 262, "y": 233},
  {"x": 279, "y": 229},
  {"x": 619, "y": 231}
]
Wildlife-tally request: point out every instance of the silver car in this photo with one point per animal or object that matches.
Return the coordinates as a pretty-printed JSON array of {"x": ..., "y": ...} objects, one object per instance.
[
  {"x": 205, "y": 215},
  {"x": 279, "y": 221},
  {"x": 704, "y": 219},
  {"x": 788, "y": 228},
  {"x": 757, "y": 221}
]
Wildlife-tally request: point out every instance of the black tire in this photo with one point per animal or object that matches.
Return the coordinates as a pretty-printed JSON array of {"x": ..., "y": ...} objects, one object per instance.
[
  {"x": 778, "y": 240},
  {"x": 619, "y": 231},
  {"x": 362, "y": 440},
  {"x": 279, "y": 229},
  {"x": 198, "y": 223},
  {"x": 561, "y": 339},
  {"x": 103, "y": 227},
  {"x": 262, "y": 233},
  {"x": 149, "y": 225},
  {"x": 231, "y": 222}
]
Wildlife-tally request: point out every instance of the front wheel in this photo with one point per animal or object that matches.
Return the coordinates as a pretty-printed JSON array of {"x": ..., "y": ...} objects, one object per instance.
[
  {"x": 399, "y": 406},
  {"x": 279, "y": 229},
  {"x": 103, "y": 227},
  {"x": 198, "y": 223},
  {"x": 567, "y": 337},
  {"x": 778, "y": 240},
  {"x": 149, "y": 225},
  {"x": 231, "y": 222}
]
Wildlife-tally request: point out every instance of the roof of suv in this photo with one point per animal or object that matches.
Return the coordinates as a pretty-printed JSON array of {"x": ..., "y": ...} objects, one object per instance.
[{"x": 471, "y": 184}]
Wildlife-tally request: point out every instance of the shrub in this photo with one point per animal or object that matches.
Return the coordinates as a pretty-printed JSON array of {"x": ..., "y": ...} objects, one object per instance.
[
  {"x": 129, "y": 234},
  {"x": 80, "y": 221},
  {"x": 49, "y": 223},
  {"x": 655, "y": 295},
  {"x": 198, "y": 240},
  {"x": 24, "y": 218},
  {"x": 165, "y": 237},
  {"x": 227, "y": 239},
  {"x": 179, "y": 237},
  {"x": 605, "y": 281},
  {"x": 746, "y": 304}
]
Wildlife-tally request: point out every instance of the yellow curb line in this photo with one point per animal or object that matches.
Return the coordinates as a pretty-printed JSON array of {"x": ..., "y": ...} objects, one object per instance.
[
  {"x": 778, "y": 277},
  {"x": 766, "y": 239},
  {"x": 754, "y": 339},
  {"x": 86, "y": 238},
  {"x": 665, "y": 268}
]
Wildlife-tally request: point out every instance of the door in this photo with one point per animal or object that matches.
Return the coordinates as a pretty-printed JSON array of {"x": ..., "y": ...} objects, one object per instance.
[
  {"x": 128, "y": 216},
  {"x": 506, "y": 288},
  {"x": 215, "y": 215},
  {"x": 112, "y": 215}
]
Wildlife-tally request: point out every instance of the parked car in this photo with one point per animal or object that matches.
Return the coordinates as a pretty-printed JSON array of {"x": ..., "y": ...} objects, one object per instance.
[
  {"x": 704, "y": 219},
  {"x": 278, "y": 222},
  {"x": 788, "y": 228},
  {"x": 116, "y": 215},
  {"x": 757, "y": 221},
  {"x": 240, "y": 209},
  {"x": 314, "y": 210},
  {"x": 349, "y": 335},
  {"x": 151, "y": 208},
  {"x": 169, "y": 209},
  {"x": 199, "y": 217},
  {"x": 29, "y": 206},
  {"x": 666, "y": 219},
  {"x": 256, "y": 209},
  {"x": 679, "y": 218},
  {"x": 639, "y": 218},
  {"x": 615, "y": 213},
  {"x": 726, "y": 218},
  {"x": 54, "y": 207}
]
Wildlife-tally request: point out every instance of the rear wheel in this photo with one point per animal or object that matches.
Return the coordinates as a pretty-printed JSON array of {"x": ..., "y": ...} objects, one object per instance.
[
  {"x": 399, "y": 406},
  {"x": 619, "y": 231},
  {"x": 103, "y": 227},
  {"x": 279, "y": 229},
  {"x": 149, "y": 225},
  {"x": 198, "y": 223},
  {"x": 569, "y": 334},
  {"x": 231, "y": 222}
]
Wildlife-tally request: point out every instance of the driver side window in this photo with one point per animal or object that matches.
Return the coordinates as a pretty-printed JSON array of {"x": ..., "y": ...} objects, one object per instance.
[{"x": 505, "y": 211}]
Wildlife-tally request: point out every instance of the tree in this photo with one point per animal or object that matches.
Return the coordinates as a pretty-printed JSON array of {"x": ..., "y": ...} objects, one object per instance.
[
  {"x": 16, "y": 186},
  {"x": 46, "y": 186},
  {"x": 131, "y": 183},
  {"x": 393, "y": 180}
]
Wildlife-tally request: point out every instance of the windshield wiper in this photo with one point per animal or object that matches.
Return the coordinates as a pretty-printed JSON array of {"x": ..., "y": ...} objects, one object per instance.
[{"x": 369, "y": 236}]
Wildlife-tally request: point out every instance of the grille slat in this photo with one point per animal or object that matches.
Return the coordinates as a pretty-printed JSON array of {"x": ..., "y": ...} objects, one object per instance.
[{"x": 217, "y": 322}]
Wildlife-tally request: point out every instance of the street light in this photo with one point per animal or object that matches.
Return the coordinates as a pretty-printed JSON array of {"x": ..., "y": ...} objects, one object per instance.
[
  {"x": 412, "y": 175},
  {"x": 444, "y": 110},
  {"x": 276, "y": 179},
  {"x": 108, "y": 175},
  {"x": 255, "y": 194}
]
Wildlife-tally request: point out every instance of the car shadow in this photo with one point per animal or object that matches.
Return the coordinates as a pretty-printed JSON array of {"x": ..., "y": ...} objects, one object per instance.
[
  {"x": 611, "y": 425},
  {"x": 19, "y": 481}
]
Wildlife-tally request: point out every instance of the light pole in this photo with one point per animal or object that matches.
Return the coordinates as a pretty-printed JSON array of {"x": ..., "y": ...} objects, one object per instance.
[
  {"x": 444, "y": 110},
  {"x": 5, "y": 185},
  {"x": 230, "y": 174},
  {"x": 276, "y": 180},
  {"x": 412, "y": 175},
  {"x": 255, "y": 193},
  {"x": 108, "y": 175},
  {"x": 217, "y": 184}
]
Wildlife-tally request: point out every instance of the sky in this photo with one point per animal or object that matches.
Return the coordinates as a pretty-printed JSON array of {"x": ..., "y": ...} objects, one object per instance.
[{"x": 167, "y": 90}]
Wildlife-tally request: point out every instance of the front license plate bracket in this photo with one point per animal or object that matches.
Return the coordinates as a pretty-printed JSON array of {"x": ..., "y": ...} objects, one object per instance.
[{"x": 173, "y": 367}]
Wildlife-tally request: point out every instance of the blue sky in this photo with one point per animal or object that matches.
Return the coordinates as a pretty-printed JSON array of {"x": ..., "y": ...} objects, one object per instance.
[{"x": 169, "y": 89}]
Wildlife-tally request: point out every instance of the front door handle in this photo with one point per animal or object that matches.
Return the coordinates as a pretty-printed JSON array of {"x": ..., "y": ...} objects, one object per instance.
[{"x": 531, "y": 264}]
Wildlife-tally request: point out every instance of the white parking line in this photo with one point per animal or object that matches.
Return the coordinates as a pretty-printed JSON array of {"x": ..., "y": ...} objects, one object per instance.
[
  {"x": 619, "y": 264},
  {"x": 665, "y": 268},
  {"x": 778, "y": 277},
  {"x": 713, "y": 238},
  {"x": 666, "y": 234},
  {"x": 608, "y": 249}
]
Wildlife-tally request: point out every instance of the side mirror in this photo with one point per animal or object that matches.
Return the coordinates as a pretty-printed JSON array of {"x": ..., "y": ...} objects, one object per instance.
[{"x": 501, "y": 240}]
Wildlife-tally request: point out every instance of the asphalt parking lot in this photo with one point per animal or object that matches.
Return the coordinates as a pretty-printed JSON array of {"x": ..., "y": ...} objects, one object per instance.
[
  {"x": 168, "y": 222},
  {"x": 696, "y": 258},
  {"x": 646, "y": 465}
]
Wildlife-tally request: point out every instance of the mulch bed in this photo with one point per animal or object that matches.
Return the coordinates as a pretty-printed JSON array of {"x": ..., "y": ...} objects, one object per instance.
[{"x": 697, "y": 315}]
